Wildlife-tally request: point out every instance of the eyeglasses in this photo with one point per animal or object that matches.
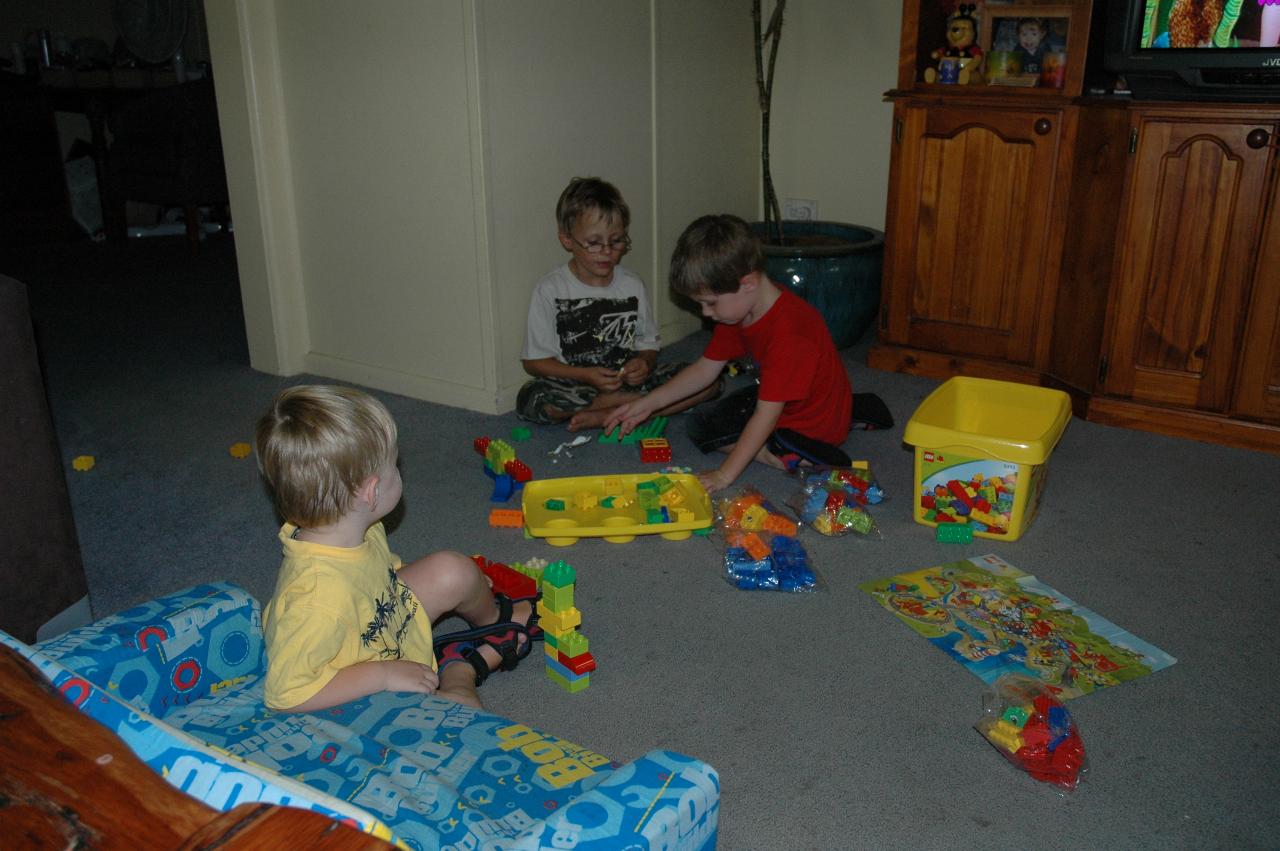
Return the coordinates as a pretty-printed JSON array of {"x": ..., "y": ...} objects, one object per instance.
[{"x": 622, "y": 243}]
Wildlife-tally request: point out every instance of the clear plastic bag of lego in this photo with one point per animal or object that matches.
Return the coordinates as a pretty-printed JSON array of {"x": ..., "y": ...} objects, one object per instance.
[
  {"x": 1032, "y": 729},
  {"x": 761, "y": 551},
  {"x": 833, "y": 500}
]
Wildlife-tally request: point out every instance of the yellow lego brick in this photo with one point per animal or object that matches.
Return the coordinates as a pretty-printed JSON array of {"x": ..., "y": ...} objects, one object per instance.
[
  {"x": 558, "y": 621},
  {"x": 613, "y": 485},
  {"x": 675, "y": 496},
  {"x": 682, "y": 515},
  {"x": 753, "y": 518},
  {"x": 585, "y": 500},
  {"x": 1005, "y": 735}
]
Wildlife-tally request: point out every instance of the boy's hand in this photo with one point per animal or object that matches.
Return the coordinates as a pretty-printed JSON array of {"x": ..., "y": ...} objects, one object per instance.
[
  {"x": 604, "y": 380},
  {"x": 410, "y": 676},
  {"x": 635, "y": 372},
  {"x": 715, "y": 480},
  {"x": 628, "y": 416}
]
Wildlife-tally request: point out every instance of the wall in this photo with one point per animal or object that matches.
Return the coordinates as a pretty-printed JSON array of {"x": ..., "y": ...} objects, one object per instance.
[
  {"x": 402, "y": 168},
  {"x": 830, "y": 130}
]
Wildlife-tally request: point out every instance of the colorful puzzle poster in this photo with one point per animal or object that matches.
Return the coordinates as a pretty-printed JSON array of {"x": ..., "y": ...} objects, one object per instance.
[{"x": 996, "y": 620}]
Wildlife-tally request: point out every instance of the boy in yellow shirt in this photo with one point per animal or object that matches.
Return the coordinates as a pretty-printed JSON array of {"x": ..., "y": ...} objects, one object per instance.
[{"x": 348, "y": 618}]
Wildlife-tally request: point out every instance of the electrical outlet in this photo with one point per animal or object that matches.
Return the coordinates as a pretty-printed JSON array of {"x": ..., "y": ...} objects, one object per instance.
[{"x": 799, "y": 209}]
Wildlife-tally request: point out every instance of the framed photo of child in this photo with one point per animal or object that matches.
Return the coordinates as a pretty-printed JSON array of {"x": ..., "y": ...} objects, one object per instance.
[{"x": 1027, "y": 45}]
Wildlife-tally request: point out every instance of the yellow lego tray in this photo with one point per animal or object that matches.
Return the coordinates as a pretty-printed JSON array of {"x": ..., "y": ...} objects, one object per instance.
[{"x": 616, "y": 508}]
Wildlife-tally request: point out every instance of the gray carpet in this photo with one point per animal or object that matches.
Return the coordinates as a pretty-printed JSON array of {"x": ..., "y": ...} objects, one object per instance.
[{"x": 832, "y": 725}]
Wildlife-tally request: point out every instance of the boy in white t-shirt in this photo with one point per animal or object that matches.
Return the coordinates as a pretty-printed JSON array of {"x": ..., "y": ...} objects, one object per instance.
[{"x": 591, "y": 342}]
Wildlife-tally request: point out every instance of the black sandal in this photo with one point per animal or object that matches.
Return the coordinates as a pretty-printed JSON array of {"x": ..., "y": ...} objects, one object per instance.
[{"x": 503, "y": 635}]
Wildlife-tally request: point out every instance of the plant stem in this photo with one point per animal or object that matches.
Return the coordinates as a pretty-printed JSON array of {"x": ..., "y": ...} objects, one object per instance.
[{"x": 764, "y": 88}]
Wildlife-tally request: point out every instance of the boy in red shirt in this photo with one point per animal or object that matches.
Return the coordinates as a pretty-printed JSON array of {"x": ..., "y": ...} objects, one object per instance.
[{"x": 803, "y": 404}]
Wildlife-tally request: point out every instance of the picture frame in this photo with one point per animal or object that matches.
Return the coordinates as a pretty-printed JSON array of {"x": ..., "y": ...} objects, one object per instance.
[{"x": 1007, "y": 35}]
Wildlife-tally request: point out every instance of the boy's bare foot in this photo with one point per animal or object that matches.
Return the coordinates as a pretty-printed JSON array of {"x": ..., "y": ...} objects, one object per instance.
[
  {"x": 587, "y": 419},
  {"x": 458, "y": 683},
  {"x": 556, "y": 415}
]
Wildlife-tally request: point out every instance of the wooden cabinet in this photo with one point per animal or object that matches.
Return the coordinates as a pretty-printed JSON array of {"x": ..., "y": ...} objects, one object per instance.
[
  {"x": 973, "y": 215},
  {"x": 1125, "y": 251},
  {"x": 1192, "y": 314}
]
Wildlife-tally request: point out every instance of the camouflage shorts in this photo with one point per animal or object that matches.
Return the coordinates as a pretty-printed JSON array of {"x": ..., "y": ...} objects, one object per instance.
[{"x": 572, "y": 396}]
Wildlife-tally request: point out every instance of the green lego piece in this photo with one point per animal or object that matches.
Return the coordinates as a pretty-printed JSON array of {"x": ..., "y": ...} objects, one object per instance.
[
  {"x": 555, "y": 505},
  {"x": 520, "y": 433},
  {"x": 647, "y": 487},
  {"x": 549, "y": 638},
  {"x": 654, "y": 515},
  {"x": 704, "y": 531},
  {"x": 1015, "y": 715},
  {"x": 557, "y": 598},
  {"x": 663, "y": 484},
  {"x": 954, "y": 533},
  {"x": 607, "y": 502},
  {"x": 575, "y": 686},
  {"x": 654, "y": 428},
  {"x": 573, "y": 644},
  {"x": 558, "y": 575},
  {"x": 534, "y": 573}
]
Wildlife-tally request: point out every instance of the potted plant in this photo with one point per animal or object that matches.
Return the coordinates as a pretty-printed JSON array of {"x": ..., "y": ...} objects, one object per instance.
[{"x": 835, "y": 266}]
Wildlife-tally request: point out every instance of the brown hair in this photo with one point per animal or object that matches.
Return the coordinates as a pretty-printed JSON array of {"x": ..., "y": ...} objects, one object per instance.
[
  {"x": 317, "y": 445},
  {"x": 590, "y": 193},
  {"x": 713, "y": 254}
]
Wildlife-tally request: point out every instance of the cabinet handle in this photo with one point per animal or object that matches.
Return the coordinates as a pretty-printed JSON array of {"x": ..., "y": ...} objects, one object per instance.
[
  {"x": 1258, "y": 139},
  {"x": 1042, "y": 126}
]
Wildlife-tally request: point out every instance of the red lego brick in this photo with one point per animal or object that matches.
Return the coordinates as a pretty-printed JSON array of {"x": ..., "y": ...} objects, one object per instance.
[
  {"x": 584, "y": 664},
  {"x": 518, "y": 470},
  {"x": 506, "y": 580}
]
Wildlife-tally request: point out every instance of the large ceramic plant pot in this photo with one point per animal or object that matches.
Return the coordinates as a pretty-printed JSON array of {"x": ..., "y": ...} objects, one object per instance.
[{"x": 835, "y": 267}]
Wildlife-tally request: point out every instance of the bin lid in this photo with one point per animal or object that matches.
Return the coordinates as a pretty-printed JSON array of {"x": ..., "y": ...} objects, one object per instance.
[{"x": 1018, "y": 423}]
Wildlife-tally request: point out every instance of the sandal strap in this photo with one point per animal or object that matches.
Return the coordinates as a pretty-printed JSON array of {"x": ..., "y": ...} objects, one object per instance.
[
  {"x": 466, "y": 653},
  {"x": 478, "y": 633}
]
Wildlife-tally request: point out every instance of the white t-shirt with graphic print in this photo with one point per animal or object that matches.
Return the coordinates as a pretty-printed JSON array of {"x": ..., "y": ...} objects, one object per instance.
[{"x": 589, "y": 326}]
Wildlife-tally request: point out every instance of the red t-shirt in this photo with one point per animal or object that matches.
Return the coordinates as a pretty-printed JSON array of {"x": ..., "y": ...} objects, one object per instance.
[{"x": 799, "y": 366}]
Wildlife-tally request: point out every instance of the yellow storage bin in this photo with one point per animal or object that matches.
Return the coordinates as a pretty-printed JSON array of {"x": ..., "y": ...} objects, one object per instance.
[{"x": 982, "y": 452}]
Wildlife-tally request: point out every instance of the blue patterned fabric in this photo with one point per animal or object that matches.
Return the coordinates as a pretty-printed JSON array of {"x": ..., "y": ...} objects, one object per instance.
[{"x": 179, "y": 679}]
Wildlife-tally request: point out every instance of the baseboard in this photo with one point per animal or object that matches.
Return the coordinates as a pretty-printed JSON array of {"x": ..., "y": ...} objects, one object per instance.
[{"x": 77, "y": 614}]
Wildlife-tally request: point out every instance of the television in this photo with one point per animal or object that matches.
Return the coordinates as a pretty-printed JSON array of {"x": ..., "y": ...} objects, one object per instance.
[{"x": 1225, "y": 50}]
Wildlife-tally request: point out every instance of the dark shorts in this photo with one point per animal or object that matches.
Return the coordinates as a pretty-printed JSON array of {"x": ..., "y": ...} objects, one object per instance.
[
  {"x": 573, "y": 396},
  {"x": 716, "y": 425}
]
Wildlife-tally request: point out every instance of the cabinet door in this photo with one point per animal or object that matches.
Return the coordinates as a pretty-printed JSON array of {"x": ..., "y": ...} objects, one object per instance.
[
  {"x": 970, "y": 222},
  {"x": 1257, "y": 385},
  {"x": 1186, "y": 253}
]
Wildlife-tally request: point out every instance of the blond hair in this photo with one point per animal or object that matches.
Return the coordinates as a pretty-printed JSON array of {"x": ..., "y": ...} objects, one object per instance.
[
  {"x": 591, "y": 193},
  {"x": 713, "y": 255},
  {"x": 317, "y": 445}
]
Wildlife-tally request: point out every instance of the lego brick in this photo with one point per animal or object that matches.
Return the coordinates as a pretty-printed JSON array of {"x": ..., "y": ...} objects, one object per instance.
[
  {"x": 506, "y": 518},
  {"x": 581, "y": 664},
  {"x": 780, "y": 525},
  {"x": 753, "y": 517},
  {"x": 572, "y": 686},
  {"x": 506, "y": 580},
  {"x": 554, "y": 621},
  {"x": 518, "y": 470},
  {"x": 558, "y": 599},
  {"x": 752, "y": 543},
  {"x": 572, "y": 644},
  {"x": 558, "y": 573}
]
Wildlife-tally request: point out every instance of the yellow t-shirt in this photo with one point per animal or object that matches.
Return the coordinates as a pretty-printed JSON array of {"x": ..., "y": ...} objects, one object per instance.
[{"x": 334, "y": 607}]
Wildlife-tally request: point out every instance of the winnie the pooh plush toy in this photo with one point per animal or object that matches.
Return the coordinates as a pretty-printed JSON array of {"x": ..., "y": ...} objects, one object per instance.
[{"x": 961, "y": 60}]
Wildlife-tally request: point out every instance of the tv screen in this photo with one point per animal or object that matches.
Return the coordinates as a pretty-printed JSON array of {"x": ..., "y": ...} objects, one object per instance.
[
  {"x": 1216, "y": 24},
  {"x": 1196, "y": 49}
]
